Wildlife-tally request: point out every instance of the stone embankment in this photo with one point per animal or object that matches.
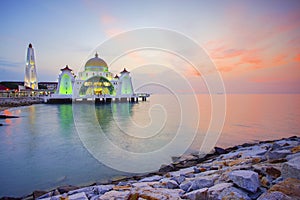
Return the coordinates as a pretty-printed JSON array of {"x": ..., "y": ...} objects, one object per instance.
[
  {"x": 21, "y": 101},
  {"x": 265, "y": 171}
]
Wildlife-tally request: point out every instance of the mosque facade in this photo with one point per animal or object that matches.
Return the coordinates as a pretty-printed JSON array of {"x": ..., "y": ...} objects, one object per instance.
[{"x": 94, "y": 82}]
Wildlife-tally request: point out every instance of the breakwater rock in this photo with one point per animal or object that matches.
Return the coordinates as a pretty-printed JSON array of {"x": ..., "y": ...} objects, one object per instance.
[
  {"x": 264, "y": 170},
  {"x": 20, "y": 101}
]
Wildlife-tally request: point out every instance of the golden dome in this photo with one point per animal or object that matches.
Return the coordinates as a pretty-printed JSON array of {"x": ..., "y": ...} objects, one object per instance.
[{"x": 95, "y": 64}]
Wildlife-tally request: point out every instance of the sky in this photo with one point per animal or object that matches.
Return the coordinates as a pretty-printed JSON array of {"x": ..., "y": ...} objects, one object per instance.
[{"x": 254, "y": 44}]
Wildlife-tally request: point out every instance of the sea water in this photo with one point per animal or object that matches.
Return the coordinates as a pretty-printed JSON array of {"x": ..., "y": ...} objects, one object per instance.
[{"x": 42, "y": 149}]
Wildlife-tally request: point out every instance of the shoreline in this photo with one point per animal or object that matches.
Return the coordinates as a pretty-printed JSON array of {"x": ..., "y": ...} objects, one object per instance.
[
  {"x": 251, "y": 171},
  {"x": 7, "y": 103}
]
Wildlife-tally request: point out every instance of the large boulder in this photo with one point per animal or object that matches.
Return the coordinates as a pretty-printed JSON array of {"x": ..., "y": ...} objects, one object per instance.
[
  {"x": 115, "y": 195},
  {"x": 151, "y": 178},
  {"x": 285, "y": 190},
  {"x": 278, "y": 154},
  {"x": 289, "y": 187},
  {"x": 291, "y": 169},
  {"x": 196, "y": 183},
  {"x": 155, "y": 193},
  {"x": 215, "y": 190},
  {"x": 196, "y": 194},
  {"x": 233, "y": 193},
  {"x": 274, "y": 195},
  {"x": 245, "y": 179}
]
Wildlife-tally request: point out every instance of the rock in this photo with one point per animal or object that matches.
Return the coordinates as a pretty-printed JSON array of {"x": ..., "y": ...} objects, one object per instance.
[
  {"x": 122, "y": 183},
  {"x": 253, "y": 152},
  {"x": 178, "y": 179},
  {"x": 101, "y": 189},
  {"x": 77, "y": 196},
  {"x": 291, "y": 169},
  {"x": 189, "y": 163},
  {"x": 166, "y": 168},
  {"x": 151, "y": 179},
  {"x": 280, "y": 160},
  {"x": 185, "y": 185},
  {"x": 232, "y": 193},
  {"x": 273, "y": 172},
  {"x": 290, "y": 157},
  {"x": 258, "y": 193},
  {"x": 289, "y": 187},
  {"x": 295, "y": 149},
  {"x": 265, "y": 182},
  {"x": 145, "y": 184},
  {"x": 220, "y": 151},
  {"x": 238, "y": 162},
  {"x": 38, "y": 193},
  {"x": 207, "y": 173},
  {"x": 197, "y": 194},
  {"x": 256, "y": 160},
  {"x": 278, "y": 154},
  {"x": 273, "y": 196},
  {"x": 214, "y": 191},
  {"x": 277, "y": 180},
  {"x": 187, "y": 157},
  {"x": 155, "y": 194},
  {"x": 116, "y": 195},
  {"x": 183, "y": 172},
  {"x": 168, "y": 183},
  {"x": 231, "y": 155},
  {"x": 245, "y": 179},
  {"x": 87, "y": 190},
  {"x": 66, "y": 188},
  {"x": 197, "y": 183},
  {"x": 122, "y": 187}
]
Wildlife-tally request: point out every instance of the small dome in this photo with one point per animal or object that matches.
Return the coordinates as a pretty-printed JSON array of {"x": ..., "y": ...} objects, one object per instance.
[{"x": 95, "y": 64}]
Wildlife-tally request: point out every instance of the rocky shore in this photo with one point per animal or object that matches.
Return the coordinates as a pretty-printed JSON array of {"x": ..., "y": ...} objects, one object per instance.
[
  {"x": 6, "y": 103},
  {"x": 266, "y": 170}
]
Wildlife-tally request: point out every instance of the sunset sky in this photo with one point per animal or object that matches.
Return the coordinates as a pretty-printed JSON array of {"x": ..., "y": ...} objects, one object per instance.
[{"x": 255, "y": 44}]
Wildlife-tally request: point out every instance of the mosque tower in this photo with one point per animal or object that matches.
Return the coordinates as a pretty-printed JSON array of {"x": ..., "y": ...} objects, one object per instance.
[{"x": 30, "y": 70}]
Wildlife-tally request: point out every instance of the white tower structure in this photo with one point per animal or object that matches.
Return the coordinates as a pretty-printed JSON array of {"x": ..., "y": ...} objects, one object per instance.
[{"x": 30, "y": 70}]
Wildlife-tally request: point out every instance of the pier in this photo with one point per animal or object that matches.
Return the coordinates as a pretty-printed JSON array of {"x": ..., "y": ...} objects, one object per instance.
[{"x": 98, "y": 99}]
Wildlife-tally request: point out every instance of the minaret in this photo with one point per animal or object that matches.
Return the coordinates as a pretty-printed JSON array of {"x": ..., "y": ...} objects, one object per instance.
[{"x": 30, "y": 70}]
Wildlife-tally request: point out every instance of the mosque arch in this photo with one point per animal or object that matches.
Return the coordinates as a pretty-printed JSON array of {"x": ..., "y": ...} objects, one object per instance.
[{"x": 97, "y": 85}]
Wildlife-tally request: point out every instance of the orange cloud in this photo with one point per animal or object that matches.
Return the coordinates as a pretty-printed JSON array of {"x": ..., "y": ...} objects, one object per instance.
[
  {"x": 297, "y": 58},
  {"x": 191, "y": 71},
  {"x": 280, "y": 59}
]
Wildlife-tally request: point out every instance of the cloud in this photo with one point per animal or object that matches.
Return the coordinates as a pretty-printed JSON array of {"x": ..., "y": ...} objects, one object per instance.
[
  {"x": 8, "y": 63},
  {"x": 112, "y": 31},
  {"x": 297, "y": 58},
  {"x": 107, "y": 19}
]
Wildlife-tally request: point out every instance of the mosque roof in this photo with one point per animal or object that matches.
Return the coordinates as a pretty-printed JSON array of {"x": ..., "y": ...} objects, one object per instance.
[
  {"x": 124, "y": 71},
  {"x": 95, "y": 62},
  {"x": 66, "y": 68}
]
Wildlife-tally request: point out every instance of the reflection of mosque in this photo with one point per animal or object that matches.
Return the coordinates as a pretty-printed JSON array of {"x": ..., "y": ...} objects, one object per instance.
[{"x": 95, "y": 82}]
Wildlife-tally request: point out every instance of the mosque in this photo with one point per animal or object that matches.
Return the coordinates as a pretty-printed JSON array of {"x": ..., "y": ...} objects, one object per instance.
[{"x": 94, "y": 83}]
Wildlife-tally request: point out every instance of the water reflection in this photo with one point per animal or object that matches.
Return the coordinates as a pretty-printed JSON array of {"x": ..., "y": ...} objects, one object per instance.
[{"x": 65, "y": 118}]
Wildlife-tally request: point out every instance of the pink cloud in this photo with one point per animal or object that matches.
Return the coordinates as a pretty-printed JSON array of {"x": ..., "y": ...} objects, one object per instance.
[
  {"x": 112, "y": 31},
  {"x": 107, "y": 19}
]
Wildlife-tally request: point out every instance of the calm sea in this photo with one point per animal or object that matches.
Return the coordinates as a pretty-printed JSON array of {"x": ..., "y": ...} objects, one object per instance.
[{"x": 43, "y": 148}]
